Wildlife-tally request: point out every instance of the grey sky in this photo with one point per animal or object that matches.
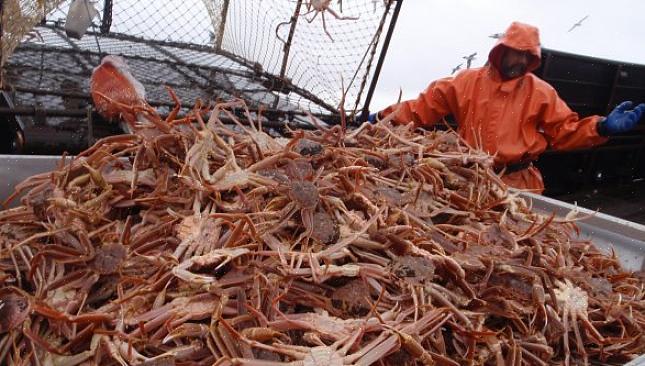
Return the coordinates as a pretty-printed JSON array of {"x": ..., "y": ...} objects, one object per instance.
[{"x": 432, "y": 36}]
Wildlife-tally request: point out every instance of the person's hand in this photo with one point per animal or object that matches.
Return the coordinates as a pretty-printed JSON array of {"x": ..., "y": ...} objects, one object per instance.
[{"x": 621, "y": 119}]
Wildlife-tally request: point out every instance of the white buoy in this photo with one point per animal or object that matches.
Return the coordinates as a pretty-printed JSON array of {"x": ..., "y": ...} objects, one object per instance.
[{"x": 79, "y": 18}]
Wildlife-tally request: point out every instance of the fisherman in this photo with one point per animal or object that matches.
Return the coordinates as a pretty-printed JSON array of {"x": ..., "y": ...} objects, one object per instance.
[{"x": 509, "y": 112}]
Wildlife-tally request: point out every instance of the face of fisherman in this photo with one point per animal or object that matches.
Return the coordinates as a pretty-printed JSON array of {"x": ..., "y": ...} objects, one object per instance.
[{"x": 515, "y": 63}]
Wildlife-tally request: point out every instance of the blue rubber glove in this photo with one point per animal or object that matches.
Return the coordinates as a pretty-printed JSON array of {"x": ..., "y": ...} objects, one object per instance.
[
  {"x": 621, "y": 119},
  {"x": 372, "y": 118}
]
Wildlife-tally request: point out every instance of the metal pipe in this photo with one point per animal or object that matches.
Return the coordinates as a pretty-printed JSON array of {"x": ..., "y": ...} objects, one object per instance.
[
  {"x": 220, "y": 31},
  {"x": 106, "y": 22},
  {"x": 381, "y": 60},
  {"x": 371, "y": 50},
  {"x": 287, "y": 46}
]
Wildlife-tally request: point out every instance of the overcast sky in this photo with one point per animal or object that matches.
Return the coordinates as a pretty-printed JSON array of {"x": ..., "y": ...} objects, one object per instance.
[{"x": 432, "y": 36}]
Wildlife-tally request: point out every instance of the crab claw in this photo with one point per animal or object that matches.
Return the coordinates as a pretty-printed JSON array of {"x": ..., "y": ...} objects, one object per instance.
[{"x": 186, "y": 330}]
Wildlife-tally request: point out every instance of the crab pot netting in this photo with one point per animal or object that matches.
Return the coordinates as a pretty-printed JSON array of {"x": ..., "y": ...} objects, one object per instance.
[{"x": 202, "y": 49}]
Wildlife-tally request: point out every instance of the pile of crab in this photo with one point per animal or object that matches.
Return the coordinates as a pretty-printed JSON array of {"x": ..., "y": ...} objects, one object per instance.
[{"x": 194, "y": 242}]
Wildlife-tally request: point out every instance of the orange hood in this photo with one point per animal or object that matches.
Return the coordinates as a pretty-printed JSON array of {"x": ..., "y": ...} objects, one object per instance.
[{"x": 521, "y": 37}]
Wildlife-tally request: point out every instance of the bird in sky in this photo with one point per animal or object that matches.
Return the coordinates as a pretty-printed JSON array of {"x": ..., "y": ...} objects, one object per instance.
[
  {"x": 579, "y": 23},
  {"x": 496, "y": 35},
  {"x": 469, "y": 59},
  {"x": 456, "y": 68}
]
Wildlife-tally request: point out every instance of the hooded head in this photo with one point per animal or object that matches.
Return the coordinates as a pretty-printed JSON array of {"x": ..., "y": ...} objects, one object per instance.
[{"x": 517, "y": 52}]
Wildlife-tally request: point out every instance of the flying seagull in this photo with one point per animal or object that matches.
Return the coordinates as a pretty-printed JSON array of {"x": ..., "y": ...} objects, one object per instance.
[
  {"x": 579, "y": 23},
  {"x": 469, "y": 59},
  {"x": 456, "y": 68},
  {"x": 496, "y": 35}
]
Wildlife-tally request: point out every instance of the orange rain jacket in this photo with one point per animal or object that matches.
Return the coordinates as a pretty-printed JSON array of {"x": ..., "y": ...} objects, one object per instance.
[{"x": 514, "y": 120}]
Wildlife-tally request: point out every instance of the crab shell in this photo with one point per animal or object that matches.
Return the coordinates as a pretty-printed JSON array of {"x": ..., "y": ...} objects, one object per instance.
[{"x": 14, "y": 308}]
